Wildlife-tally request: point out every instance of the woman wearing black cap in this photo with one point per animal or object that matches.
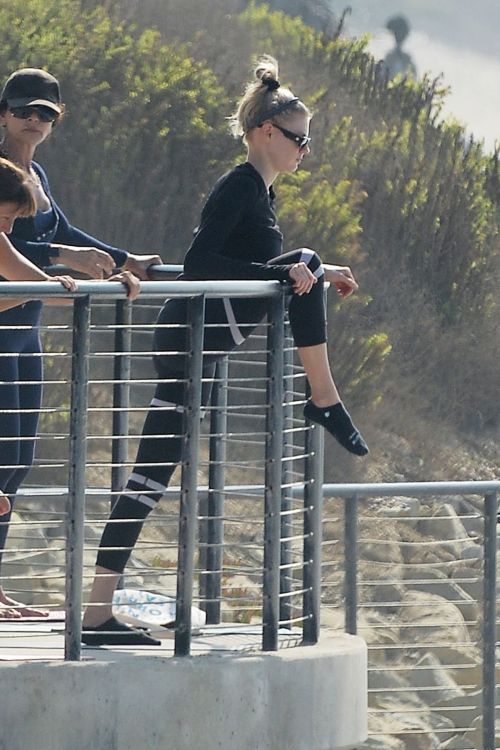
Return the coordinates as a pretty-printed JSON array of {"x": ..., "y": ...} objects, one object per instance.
[
  {"x": 238, "y": 238},
  {"x": 30, "y": 105}
]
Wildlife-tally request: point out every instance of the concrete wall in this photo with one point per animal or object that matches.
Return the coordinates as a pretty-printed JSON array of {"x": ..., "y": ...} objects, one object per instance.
[{"x": 302, "y": 698}]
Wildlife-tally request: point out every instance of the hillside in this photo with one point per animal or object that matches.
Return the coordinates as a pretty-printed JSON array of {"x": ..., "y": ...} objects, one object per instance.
[
  {"x": 407, "y": 200},
  {"x": 412, "y": 205}
]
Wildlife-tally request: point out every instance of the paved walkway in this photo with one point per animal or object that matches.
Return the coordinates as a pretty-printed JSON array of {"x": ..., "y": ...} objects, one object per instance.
[{"x": 43, "y": 640}]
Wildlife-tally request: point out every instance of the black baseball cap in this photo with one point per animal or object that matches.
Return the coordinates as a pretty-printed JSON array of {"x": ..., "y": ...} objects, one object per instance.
[{"x": 32, "y": 87}]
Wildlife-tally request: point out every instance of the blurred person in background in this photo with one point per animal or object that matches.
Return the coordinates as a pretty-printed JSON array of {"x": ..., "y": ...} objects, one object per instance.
[{"x": 397, "y": 62}]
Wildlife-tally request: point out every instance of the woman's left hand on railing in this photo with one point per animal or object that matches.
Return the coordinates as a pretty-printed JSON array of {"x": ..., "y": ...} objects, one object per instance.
[
  {"x": 91, "y": 261},
  {"x": 139, "y": 264},
  {"x": 342, "y": 279}
]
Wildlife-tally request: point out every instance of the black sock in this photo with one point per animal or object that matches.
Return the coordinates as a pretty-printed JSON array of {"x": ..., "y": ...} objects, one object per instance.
[{"x": 337, "y": 420}]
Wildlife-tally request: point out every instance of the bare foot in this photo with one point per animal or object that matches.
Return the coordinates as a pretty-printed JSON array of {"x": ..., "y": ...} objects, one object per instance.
[
  {"x": 6, "y": 613},
  {"x": 4, "y": 504},
  {"x": 17, "y": 609}
]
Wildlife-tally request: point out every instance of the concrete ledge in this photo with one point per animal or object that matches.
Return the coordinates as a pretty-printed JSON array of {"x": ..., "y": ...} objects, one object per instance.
[{"x": 303, "y": 698}]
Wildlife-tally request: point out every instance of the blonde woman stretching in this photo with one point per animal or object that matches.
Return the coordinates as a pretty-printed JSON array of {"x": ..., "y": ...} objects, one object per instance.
[{"x": 238, "y": 238}]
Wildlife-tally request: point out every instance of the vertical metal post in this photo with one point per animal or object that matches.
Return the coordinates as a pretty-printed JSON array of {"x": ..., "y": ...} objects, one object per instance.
[
  {"x": 489, "y": 620},
  {"x": 351, "y": 564},
  {"x": 211, "y": 577},
  {"x": 188, "y": 513},
  {"x": 272, "y": 491},
  {"x": 121, "y": 396},
  {"x": 75, "y": 519},
  {"x": 313, "y": 531},
  {"x": 286, "y": 608}
]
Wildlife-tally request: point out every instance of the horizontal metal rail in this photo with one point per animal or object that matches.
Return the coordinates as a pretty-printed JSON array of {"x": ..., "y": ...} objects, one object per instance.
[
  {"x": 329, "y": 490},
  {"x": 412, "y": 489},
  {"x": 149, "y": 289}
]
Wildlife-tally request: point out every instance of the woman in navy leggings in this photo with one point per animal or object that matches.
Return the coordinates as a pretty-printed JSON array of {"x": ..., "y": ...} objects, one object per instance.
[
  {"x": 20, "y": 376},
  {"x": 238, "y": 238},
  {"x": 20, "y": 356}
]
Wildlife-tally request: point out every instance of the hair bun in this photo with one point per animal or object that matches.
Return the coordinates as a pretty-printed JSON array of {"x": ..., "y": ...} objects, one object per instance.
[{"x": 271, "y": 83}]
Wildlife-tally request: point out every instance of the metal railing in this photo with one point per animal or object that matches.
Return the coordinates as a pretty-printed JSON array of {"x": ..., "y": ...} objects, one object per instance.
[
  {"x": 420, "y": 655},
  {"x": 260, "y": 538},
  {"x": 279, "y": 563}
]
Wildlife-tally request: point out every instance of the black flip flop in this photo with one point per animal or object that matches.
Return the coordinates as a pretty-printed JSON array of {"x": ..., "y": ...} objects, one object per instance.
[{"x": 116, "y": 633}]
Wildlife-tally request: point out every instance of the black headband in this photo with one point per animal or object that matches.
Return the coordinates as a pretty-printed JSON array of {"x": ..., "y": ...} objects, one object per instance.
[{"x": 273, "y": 111}]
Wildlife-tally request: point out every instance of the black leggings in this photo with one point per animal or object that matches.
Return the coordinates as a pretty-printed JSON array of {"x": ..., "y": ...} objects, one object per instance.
[{"x": 227, "y": 324}]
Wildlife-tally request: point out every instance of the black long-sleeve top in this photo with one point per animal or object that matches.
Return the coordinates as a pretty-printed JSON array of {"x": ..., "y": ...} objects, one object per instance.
[
  {"x": 36, "y": 246},
  {"x": 238, "y": 232}
]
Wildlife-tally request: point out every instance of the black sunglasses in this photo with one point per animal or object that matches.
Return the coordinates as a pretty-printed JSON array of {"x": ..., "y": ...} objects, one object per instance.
[
  {"x": 44, "y": 113},
  {"x": 301, "y": 140}
]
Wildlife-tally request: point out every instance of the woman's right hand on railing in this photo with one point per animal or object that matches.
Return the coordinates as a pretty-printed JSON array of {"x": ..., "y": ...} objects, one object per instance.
[
  {"x": 302, "y": 277},
  {"x": 132, "y": 283},
  {"x": 68, "y": 282}
]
